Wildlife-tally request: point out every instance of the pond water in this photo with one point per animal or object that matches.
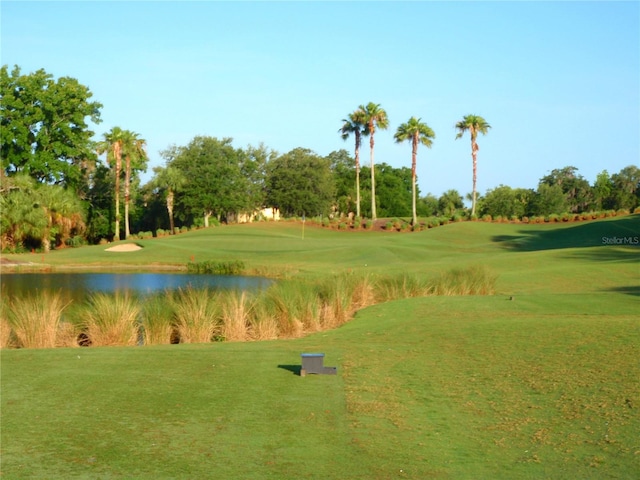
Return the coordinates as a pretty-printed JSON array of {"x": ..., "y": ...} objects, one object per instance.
[{"x": 79, "y": 285}]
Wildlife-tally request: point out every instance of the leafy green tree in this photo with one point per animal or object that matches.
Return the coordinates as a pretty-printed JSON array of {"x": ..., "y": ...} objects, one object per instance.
[
  {"x": 506, "y": 202},
  {"x": 474, "y": 124},
  {"x": 355, "y": 124},
  {"x": 417, "y": 133},
  {"x": 626, "y": 188},
  {"x": 547, "y": 200},
  {"x": 373, "y": 116},
  {"x": 342, "y": 167},
  {"x": 300, "y": 182},
  {"x": 100, "y": 205},
  {"x": 393, "y": 197},
  {"x": 427, "y": 205},
  {"x": 44, "y": 131},
  {"x": 576, "y": 189},
  {"x": 217, "y": 181},
  {"x": 602, "y": 191}
]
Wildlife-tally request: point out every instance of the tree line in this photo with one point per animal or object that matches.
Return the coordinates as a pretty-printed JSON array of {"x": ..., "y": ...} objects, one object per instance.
[{"x": 59, "y": 186}]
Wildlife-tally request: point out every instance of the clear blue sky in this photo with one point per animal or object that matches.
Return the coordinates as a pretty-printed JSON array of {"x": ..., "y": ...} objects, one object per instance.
[{"x": 558, "y": 81}]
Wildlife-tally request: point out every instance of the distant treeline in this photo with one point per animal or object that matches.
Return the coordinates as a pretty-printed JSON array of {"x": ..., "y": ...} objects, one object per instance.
[{"x": 59, "y": 187}]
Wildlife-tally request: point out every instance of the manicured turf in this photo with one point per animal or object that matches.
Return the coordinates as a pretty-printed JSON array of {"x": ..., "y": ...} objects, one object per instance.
[{"x": 541, "y": 380}]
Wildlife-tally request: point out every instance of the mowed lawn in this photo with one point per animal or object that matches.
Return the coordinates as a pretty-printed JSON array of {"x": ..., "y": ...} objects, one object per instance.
[{"x": 540, "y": 380}]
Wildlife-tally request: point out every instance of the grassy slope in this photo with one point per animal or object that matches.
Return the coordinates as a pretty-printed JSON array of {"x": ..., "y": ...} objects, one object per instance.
[{"x": 545, "y": 385}]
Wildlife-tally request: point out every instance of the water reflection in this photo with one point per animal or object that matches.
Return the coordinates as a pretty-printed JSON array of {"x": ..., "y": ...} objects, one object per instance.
[{"x": 79, "y": 285}]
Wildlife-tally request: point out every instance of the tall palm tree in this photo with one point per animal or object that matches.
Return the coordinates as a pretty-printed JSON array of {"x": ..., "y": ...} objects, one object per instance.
[
  {"x": 475, "y": 124},
  {"x": 112, "y": 146},
  {"x": 354, "y": 123},
  {"x": 417, "y": 132},
  {"x": 170, "y": 180},
  {"x": 373, "y": 116},
  {"x": 133, "y": 148}
]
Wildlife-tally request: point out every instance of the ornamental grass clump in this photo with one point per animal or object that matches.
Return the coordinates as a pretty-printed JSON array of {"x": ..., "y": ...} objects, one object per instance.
[
  {"x": 295, "y": 306},
  {"x": 35, "y": 319},
  {"x": 474, "y": 280},
  {"x": 111, "y": 320},
  {"x": 196, "y": 314},
  {"x": 156, "y": 320},
  {"x": 5, "y": 326},
  {"x": 400, "y": 286},
  {"x": 341, "y": 296},
  {"x": 236, "y": 312}
]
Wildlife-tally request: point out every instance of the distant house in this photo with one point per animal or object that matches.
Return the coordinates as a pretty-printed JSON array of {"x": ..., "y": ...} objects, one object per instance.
[{"x": 267, "y": 213}]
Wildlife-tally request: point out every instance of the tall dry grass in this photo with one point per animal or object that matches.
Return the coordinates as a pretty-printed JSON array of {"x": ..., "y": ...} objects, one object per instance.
[
  {"x": 156, "y": 320},
  {"x": 288, "y": 309},
  {"x": 5, "y": 325},
  {"x": 401, "y": 286},
  {"x": 35, "y": 319},
  {"x": 236, "y": 312},
  {"x": 112, "y": 319},
  {"x": 473, "y": 280},
  {"x": 196, "y": 314},
  {"x": 342, "y": 296}
]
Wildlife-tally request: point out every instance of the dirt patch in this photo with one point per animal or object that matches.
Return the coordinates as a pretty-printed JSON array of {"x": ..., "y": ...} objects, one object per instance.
[{"x": 125, "y": 247}]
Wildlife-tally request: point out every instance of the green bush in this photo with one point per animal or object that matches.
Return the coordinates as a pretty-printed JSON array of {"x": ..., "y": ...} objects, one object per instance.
[{"x": 76, "y": 241}]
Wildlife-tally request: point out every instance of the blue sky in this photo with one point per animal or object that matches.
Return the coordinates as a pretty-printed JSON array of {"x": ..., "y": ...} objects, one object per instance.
[{"x": 559, "y": 82}]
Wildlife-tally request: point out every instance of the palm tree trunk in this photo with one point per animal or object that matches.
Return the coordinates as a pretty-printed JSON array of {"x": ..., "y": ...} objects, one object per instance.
[
  {"x": 116, "y": 152},
  {"x": 358, "y": 173},
  {"x": 474, "y": 156},
  {"x": 373, "y": 180},
  {"x": 414, "y": 155},
  {"x": 170, "y": 211},
  {"x": 127, "y": 196}
]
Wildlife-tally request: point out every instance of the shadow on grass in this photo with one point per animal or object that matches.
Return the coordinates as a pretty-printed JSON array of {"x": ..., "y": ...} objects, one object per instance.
[
  {"x": 631, "y": 290},
  {"x": 295, "y": 369},
  {"x": 618, "y": 234}
]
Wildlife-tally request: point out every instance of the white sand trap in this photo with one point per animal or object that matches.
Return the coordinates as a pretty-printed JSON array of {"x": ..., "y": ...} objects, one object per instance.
[{"x": 125, "y": 247}]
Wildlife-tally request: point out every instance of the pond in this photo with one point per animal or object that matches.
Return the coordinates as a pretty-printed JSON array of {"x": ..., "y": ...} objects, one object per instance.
[{"x": 79, "y": 285}]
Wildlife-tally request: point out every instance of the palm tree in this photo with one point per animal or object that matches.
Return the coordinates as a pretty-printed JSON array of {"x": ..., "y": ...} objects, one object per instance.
[
  {"x": 372, "y": 116},
  {"x": 133, "y": 149},
  {"x": 171, "y": 180},
  {"x": 112, "y": 146},
  {"x": 418, "y": 133},
  {"x": 354, "y": 123},
  {"x": 475, "y": 124}
]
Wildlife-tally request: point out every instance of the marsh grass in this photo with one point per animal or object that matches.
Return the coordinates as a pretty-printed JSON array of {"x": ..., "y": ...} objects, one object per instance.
[
  {"x": 157, "y": 320},
  {"x": 196, "y": 313},
  {"x": 288, "y": 309},
  {"x": 35, "y": 319},
  {"x": 341, "y": 296},
  {"x": 111, "y": 319},
  {"x": 236, "y": 310},
  {"x": 473, "y": 280},
  {"x": 294, "y": 306},
  {"x": 404, "y": 285},
  {"x": 5, "y": 325}
]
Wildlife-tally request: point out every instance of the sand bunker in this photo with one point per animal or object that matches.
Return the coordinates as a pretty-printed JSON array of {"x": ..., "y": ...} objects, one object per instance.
[{"x": 125, "y": 247}]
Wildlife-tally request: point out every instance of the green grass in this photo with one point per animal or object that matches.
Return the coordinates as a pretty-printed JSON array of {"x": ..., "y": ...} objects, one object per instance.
[{"x": 544, "y": 385}]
